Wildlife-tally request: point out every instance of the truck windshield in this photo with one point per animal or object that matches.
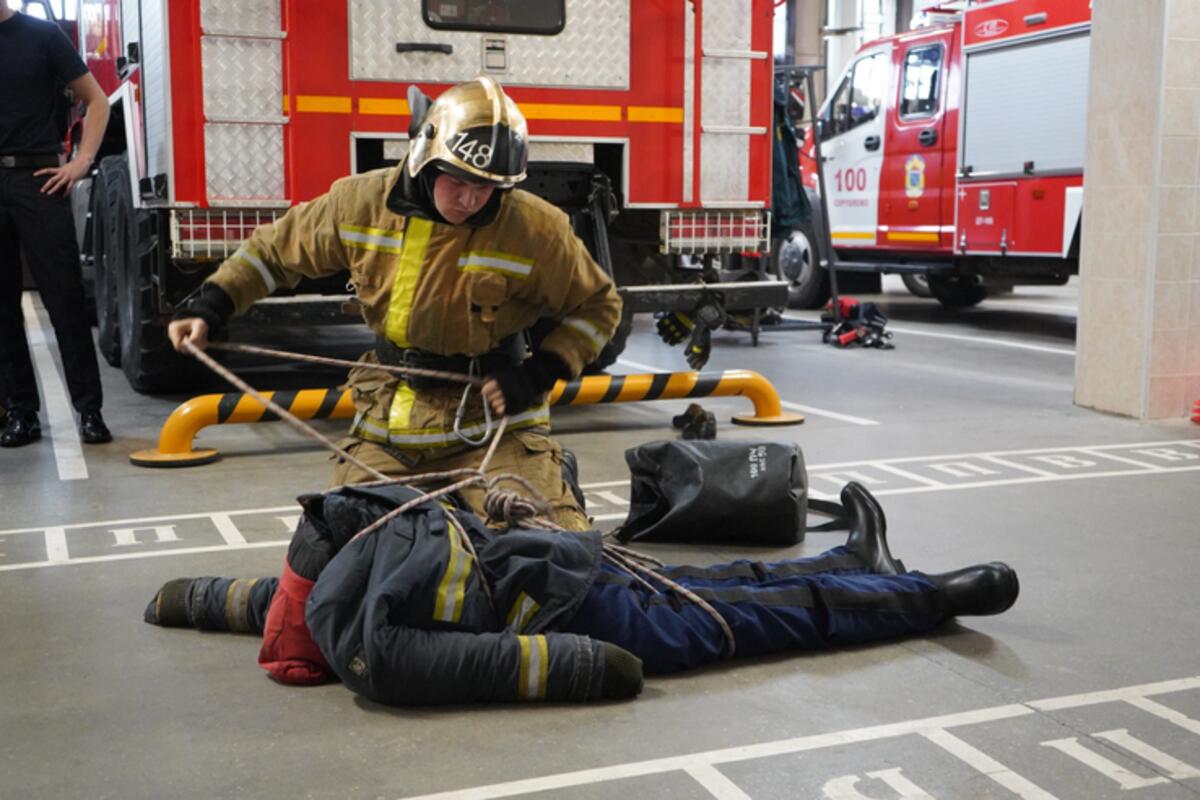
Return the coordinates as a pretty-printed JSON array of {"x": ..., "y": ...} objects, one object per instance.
[{"x": 545, "y": 17}]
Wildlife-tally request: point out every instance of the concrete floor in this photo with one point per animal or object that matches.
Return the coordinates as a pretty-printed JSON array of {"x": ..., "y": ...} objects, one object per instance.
[{"x": 1088, "y": 688}]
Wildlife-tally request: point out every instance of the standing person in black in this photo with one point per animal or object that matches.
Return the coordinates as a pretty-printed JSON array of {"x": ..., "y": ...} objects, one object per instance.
[{"x": 35, "y": 219}]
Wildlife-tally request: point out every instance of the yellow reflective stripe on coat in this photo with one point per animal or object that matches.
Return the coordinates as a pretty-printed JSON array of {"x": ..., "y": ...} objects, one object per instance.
[
  {"x": 501, "y": 263},
  {"x": 453, "y": 586},
  {"x": 374, "y": 429},
  {"x": 587, "y": 329},
  {"x": 535, "y": 662},
  {"x": 377, "y": 239},
  {"x": 416, "y": 241},
  {"x": 248, "y": 256},
  {"x": 400, "y": 414},
  {"x": 522, "y": 611}
]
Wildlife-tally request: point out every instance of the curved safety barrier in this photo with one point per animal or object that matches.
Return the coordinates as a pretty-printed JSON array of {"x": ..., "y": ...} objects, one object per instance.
[{"x": 178, "y": 432}]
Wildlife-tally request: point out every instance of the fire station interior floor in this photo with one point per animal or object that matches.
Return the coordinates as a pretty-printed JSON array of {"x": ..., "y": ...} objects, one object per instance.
[{"x": 1088, "y": 688}]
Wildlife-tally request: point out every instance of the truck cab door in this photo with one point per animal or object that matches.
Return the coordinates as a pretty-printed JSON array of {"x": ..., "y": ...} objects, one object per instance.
[
  {"x": 912, "y": 185},
  {"x": 852, "y": 127}
]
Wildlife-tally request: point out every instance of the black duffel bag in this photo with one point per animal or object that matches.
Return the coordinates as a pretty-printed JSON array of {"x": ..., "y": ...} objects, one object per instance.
[{"x": 720, "y": 491}]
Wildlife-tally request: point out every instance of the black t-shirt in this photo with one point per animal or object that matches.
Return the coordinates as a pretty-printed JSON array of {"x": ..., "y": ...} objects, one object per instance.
[{"x": 34, "y": 56}]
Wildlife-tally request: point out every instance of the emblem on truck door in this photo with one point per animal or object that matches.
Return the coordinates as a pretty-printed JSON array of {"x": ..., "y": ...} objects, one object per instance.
[{"x": 914, "y": 180}]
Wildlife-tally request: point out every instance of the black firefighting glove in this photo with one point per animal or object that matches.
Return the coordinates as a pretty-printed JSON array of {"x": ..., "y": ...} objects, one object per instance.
[
  {"x": 699, "y": 346},
  {"x": 210, "y": 304},
  {"x": 524, "y": 383},
  {"x": 674, "y": 327},
  {"x": 622, "y": 674}
]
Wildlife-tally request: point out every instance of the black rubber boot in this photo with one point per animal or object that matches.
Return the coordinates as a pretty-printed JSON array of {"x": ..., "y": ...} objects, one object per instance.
[
  {"x": 868, "y": 530},
  {"x": 979, "y": 590},
  {"x": 170, "y": 606}
]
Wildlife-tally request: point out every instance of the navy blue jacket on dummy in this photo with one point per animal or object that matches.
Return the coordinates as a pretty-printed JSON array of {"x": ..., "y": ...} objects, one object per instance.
[{"x": 406, "y": 615}]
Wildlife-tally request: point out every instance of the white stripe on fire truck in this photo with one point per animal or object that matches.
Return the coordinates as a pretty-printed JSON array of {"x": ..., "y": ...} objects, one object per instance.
[
  {"x": 251, "y": 258},
  {"x": 586, "y": 328},
  {"x": 511, "y": 266},
  {"x": 372, "y": 238}
]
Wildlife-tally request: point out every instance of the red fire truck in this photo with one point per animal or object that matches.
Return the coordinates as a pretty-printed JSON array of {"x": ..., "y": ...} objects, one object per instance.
[
  {"x": 956, "y": 150},
  {"x": 649, "y": 122}
]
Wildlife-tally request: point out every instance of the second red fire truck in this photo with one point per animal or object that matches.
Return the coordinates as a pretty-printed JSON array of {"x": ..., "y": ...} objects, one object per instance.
[{"x": 956, "y": 150}]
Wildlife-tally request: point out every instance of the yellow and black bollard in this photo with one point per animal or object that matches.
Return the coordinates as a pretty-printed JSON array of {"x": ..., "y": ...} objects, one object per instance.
[{"x": 175, "y": 440}]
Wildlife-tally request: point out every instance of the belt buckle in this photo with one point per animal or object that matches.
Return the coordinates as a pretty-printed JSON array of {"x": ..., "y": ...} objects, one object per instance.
[{"x": 8, "y": 161}]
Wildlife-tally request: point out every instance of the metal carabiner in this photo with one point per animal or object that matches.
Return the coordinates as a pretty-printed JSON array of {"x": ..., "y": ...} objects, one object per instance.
[{"x": 472, "y": 371}]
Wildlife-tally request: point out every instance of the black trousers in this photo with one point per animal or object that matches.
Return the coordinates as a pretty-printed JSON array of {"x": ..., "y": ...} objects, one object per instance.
[{"x": 41, "y": 227}]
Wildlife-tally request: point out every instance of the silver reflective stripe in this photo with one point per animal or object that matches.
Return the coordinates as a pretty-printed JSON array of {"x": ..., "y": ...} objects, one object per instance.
[
  {"x": 533, "y": 678},
  {"x": 494, "y": 264},
  {"x": 370, "y": 241},
  {"x": 253, "y": 260},
  {"x": 586, "y": 328},
  {"x": 433, "y": 438}
]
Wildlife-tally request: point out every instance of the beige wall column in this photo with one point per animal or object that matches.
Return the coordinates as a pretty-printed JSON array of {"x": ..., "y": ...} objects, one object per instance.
[{"x": 1138, "y": 339}]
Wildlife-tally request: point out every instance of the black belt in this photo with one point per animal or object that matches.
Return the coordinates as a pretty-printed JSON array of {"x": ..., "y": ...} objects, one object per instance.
[
  {"x": 395, "y": 356},
  {"x": 19, "y": 162}
]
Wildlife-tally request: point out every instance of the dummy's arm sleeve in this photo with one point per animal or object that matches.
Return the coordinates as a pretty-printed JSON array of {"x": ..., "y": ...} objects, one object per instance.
[
  {"x": 399, "y": 665},
  {"x": 303, "y": 243},
  {"x": 575, "y": 291}
]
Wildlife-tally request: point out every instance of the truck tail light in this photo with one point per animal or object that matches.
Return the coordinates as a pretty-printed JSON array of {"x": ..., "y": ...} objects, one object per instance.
[
  {"x": 215, "y": 233},
  {"x": 690, "y": 232}
]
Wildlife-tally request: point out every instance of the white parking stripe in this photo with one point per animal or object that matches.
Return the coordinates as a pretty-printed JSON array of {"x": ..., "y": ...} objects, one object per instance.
[
  {"x": 716, "y": 783},
  {"x": 1038, "y": 348},
  {"x": 68, "y": 451},
  {"x": 1022, "y": 787},
  {"x": 812, "y": 410}
]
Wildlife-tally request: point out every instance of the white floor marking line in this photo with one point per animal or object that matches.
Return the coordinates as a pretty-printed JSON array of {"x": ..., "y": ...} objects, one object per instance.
[
  {"x": 1125, "y": 779},
  {"x": 716, "y": 783},
  {"x": 229, "y": 532},
  {"x": 813, "y": 410},
  {"x": 1019, "y": 467},
  {"x": 56, "y": 546},
  {"x": 912, "y": 476},
  {"x": 113, "y": 523},
  {"x": 1122, "y": 459},
  {"x": 1037, "y": 348},
  {"x": 1031, "y": 479},
  {"x": 1175, "y": 769},
  {"x": 1022, "y": 787},
  {"x": 986, "y": 453},
  {"x": 68, "y": 450},
  {"x": 182, "y": 551},
  {"x": 821, "y": 412},
  {"x": 1163, "y": 712},
  {"x": 935, "y": 726}
]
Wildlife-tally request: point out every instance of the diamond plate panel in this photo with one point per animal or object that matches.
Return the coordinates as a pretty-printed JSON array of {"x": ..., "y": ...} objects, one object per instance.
[
  {"x": 243, "y": 78},
  {"x": 244, "y": 162},
  {"x": 592, "y": 51},
  {"x": 724, "y": 173},
  {"x": 725, "y": 91},
  {"x": 727, "y": 25},
  {"x": 245, "y": 17}
]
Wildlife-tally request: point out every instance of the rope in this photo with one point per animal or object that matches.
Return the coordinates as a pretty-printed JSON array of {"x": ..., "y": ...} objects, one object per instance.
[
  {"x": 499, "y": 504},
  {"x": 395, "y": 369}
]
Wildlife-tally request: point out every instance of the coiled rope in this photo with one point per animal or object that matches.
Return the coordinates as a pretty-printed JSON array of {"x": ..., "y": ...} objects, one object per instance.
[{"x": 501, "y": 505}]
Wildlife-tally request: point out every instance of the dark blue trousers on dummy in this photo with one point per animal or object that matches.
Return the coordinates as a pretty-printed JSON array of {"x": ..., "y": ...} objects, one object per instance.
[{"x": 816, "y": 603}]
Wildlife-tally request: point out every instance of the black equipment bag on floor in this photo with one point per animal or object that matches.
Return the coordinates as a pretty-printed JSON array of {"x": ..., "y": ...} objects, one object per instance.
[{"x": 743, "y": 492}]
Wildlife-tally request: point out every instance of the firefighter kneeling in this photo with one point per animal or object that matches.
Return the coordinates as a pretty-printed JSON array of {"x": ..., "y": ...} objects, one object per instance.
[{"x": 452, "y": 265}]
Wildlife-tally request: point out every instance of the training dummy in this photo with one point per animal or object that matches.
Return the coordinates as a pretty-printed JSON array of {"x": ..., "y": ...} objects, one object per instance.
[{"x": 406, "y": 615}]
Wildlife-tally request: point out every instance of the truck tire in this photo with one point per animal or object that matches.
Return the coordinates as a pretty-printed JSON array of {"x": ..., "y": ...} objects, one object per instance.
[
  {"x": 795, "y": 261},
  {"x": 956, "y": 291},
  {"x": 149, "y": 361},
  {"x": 917, "y": 283},
  {"x": 109, "y": 245}
]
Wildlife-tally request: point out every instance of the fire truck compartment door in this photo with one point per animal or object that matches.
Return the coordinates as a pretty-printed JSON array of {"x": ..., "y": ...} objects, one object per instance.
[
  {"x": 985, "y": 217},
  {"x": 853, "y": 124},
  {"x": 591, "y": 50},
  {"x": 726, "y": 68}
]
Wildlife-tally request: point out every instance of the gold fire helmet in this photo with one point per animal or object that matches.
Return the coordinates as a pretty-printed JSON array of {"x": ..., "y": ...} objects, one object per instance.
[{"x": 476, "y": 130}]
